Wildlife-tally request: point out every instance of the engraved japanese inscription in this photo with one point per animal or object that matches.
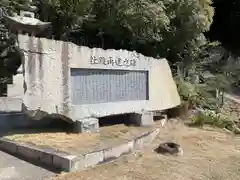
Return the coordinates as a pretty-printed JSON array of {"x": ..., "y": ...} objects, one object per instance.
[
  {"x": 117, "y": 61},
  {"x": 92, "y": 86}
]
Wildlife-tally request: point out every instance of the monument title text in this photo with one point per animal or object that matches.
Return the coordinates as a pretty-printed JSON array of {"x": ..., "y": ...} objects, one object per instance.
[{"x": 117, "y": 61}]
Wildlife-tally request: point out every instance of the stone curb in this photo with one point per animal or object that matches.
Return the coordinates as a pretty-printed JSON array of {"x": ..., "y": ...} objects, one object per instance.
[{"x": 70, "y": 163}]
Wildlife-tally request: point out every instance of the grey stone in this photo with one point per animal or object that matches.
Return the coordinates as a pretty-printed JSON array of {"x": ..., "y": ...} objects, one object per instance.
[
  {"x": 144, "y": 119},
  {"x": 153, "y": 134},
  {"x": 63, "y": 163},
  {"x": 82, "y": 162},
  {"x": 78, "y": 97},
  {"x": 78, "y": 163},
  {"x": 28, "y": 152},
  {"x": 117, "y": 151},
  {"x": 8, "y": 146},
  {"x": 46, "y": 158},
  {"x": 139, "y": 142},
  {"x": 93, "y": 158},
  {"x": 88, "y": 160},
  {"x": 145, "y": 139},
  {"x": 86, "y": 125}
]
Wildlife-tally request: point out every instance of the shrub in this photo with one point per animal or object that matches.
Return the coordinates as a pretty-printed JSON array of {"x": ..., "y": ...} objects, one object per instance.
[{"x": 212, "y": 118}]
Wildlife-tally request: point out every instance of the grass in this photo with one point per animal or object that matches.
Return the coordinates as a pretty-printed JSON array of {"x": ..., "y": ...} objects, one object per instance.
[{"x": 209, "y": 154}]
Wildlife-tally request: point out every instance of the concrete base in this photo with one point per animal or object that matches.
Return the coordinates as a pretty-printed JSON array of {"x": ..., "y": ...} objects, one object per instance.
[
  {"x": 145, "y": 119},
  {"x": 70, "y": 162},
  {"x": 86, "y": 125}
]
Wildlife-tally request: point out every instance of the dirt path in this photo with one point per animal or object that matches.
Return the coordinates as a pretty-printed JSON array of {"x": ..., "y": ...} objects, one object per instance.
[{"x": 208, "y": 155}]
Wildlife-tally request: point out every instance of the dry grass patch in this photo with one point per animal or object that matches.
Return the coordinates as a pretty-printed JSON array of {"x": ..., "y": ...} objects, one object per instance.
[
  {"x": 208, "y": 155},
  {"x": 79, "y": 143}
]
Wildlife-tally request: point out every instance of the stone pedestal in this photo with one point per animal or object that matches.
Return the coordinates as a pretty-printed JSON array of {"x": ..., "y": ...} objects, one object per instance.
[
  {"x": 145, "y": 119},
  {"x": 86, "y": 125}
]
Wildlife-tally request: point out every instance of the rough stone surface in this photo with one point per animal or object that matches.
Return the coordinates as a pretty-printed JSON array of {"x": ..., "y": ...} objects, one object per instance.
[
  {"x": 63, "y": 163},
  {"x": 46, "y": 158},
  {"x": 93, "y": 158},
  {"x": 49, "y": 65},
  {"x": 9, "y": 146},
  {"x": 34, "y": 154},
  {"x": 112, "y": 153},
  {"x": 88, "y": 160},
  {"x": 145, "y": 119},
  {"x": 86, "y": 125},
  {"x": 145, "y": 139},
  {"x": 28, "y": 152}
]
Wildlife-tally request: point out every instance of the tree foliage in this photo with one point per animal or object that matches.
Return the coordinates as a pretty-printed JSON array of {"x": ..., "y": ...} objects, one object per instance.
[
  {"x": 159, "y": 28},
  {"x": 173, "y": 29}
]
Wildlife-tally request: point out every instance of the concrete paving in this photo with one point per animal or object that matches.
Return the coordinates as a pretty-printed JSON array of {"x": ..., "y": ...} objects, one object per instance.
[{"x": 12, "y": 168}]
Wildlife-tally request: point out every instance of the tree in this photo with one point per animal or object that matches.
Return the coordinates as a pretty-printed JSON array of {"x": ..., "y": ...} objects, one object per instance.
[
  {"x": 65, "y": 15},
  {"x": 163, "y": 28},
  {"x": 159, "y": 28}
]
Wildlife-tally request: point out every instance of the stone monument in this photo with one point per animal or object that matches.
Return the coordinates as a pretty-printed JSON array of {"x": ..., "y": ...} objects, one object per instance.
[{"x": 81, "y": 84}]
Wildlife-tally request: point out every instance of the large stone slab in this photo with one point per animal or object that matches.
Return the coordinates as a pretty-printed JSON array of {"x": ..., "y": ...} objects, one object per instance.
[{"x": 79, "y": 82}]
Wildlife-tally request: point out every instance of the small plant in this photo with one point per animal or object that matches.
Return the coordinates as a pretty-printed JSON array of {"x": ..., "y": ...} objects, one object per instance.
[
  {"x": 212, "y": 118},
  {"x": 197, "y": 95},
  {"x": 187, "y": 90}
]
